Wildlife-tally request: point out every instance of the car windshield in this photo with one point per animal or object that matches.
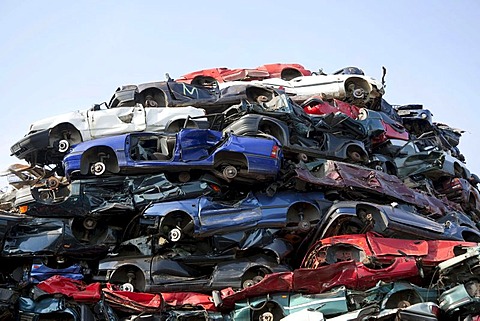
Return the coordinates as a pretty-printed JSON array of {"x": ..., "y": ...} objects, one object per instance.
[{"x": 278, "y": 104}]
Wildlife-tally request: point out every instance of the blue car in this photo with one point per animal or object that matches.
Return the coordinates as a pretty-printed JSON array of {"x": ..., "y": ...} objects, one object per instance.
[
  {"x": 182, "y": 156},
  {"x": 40, "y": 272},
  {"x": 295, "y": 212}
]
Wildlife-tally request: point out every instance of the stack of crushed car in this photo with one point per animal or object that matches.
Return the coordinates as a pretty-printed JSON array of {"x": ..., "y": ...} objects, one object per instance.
[{"x": 273, "y": 193}]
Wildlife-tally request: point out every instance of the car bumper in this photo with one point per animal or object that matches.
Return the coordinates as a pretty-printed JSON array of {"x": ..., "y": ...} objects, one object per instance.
[{"x": 27, "y": 147}]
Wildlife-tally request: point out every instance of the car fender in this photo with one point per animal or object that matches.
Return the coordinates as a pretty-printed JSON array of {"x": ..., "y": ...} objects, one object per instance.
[
  {"x": 161, "y": 210},
  {"x": 77, "y": 119},
  {"x": 251, "y": 124}
]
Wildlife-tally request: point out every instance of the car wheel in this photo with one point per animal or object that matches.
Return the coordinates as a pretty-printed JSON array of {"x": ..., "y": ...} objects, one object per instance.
[
  {"x": 127, "y": 287},
  {"x": 98, "y": 168},
  {"x": 302, "y": 157},
  {"x": 358, "y": 93},
  {"x": 247, "y": 283},
  {"x": 355, "y": 156},
  {"x": 257, "y": 279},
  {"x": 304, "y": 226},
  {"x": 262, "y": 99},
  {"x": 63, "y": 146},
  {"x": 270, "y": 311},
  {"x": 230, "y": 172},
  {"x": 175, "y": 235},
  {"x": 181, "y": 177},
  {"x": 266, "y": 316},
  {"x": 253, "y": 276},
  {"x": 53, "y": 182},
  {"x": 46, "y": 196}
]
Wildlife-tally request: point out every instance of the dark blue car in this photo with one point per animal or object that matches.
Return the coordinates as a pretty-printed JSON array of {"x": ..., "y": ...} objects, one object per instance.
[
  {"x": 204, "y": 216},
  {"x": 183, "y": 155}
]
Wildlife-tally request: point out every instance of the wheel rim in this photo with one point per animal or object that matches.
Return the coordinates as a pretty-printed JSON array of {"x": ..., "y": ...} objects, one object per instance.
[
  {"x": 302, "y": 157},
  {"x": 355, "y": 156},
  {"x": 266, "y": 316},
  {"x": 257, "y": 279},
  {"x": 304, "y": 226},
  {"x": 230, "y": 172},
  {"x": 262, "y": 99},
  {"x": 98, "y": 168},
  {"x": 359, "y": 93},
  {"x": 175, "y": 235},
  {"x": 53, "y": 182},
  {"x": 127, "y": 287},
  {"x": 63, "y": 146},
  {"x": 184, "y": 177},
  {"x": 247, "y": 283}
]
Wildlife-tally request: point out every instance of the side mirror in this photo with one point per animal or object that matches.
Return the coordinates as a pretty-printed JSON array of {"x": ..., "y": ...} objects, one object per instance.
[{"x": 99, "y": 106}]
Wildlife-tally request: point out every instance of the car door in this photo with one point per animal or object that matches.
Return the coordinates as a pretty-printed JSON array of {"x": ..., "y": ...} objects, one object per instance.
[
  {"x": 103, "y": 121},
  {"x": 381, "y": 246},
  {"x": 197, "y": 144},
  {"x": 223, "y": 217}
]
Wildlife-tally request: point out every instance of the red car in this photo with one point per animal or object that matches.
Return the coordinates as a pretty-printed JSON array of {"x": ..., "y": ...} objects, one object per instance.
[
  {"x": 373, "y": 249},
  {"x": 353, "y": 275},
  {"x": 317, "y": 106},
  {"x": 207, "y": 77},
  {"x": 355, "y": 261},
  {"x": 379, "y": 125}
]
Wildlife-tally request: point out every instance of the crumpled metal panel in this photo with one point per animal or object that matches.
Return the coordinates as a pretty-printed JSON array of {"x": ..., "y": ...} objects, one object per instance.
[
  {"x": 133, "y": 301},
  {"x": 381, "y": 186},
  {"x": 351, "y": 274},
  {"x": 76, "y": 289},
  {"x": 52, "y": 237}
]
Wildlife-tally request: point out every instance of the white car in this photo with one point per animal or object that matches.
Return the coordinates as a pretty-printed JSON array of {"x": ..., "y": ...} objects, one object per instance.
[
  {"x": 49, "y": 139},
  {"x": 356, "y": 89}
]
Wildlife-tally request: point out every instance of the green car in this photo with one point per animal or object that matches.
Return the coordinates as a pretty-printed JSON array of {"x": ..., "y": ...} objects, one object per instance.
[
  {"x": 274, "y": 307},
  {"x": 463, "y": 299}
]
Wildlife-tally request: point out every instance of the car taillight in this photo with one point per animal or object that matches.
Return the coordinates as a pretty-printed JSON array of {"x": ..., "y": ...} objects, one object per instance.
[
  {"x": 23, "y": 209},
  {"x": 435, "y": 310},
  {"x": 274, "y": 152}
]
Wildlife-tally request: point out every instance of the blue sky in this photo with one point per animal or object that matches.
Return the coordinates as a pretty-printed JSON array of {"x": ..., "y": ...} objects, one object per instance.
[{"x": 60, "y": 56}]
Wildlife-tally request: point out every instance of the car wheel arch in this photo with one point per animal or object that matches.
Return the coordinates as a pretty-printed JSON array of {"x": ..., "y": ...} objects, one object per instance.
[
  {"x": 275, "y": 129},
  {"x": 157, "y": 94},
  {"x": 401, "y": 298},
  {"x": 356, "y": 153},
  {"x": 253, "y": 275},
  {"x": 358, "y": 82},
  {"x": 177, "y": 219},
  {"x": 61, "y": 130},
  {"x": 231, "y": 158},
  {"x": 129, "y": 273},
  {"x": 470, "y": 236},
  {"x": 202, "y": 80},
  {"x": 289, "y": 73},
  {"x": 267, "y": 310},
  {"x": 303, "y": 211},
  {"x": 96, "y": 154},
  {"x": 175, "y": 125},
  {"x": 258, "y": 94}
]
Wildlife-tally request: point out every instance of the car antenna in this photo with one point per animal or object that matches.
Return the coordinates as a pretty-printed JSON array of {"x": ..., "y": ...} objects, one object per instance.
[{"x": 384, "y": 73}]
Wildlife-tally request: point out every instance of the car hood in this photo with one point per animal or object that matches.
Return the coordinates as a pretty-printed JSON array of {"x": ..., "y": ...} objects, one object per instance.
[{"x": 50, "y": 122}]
